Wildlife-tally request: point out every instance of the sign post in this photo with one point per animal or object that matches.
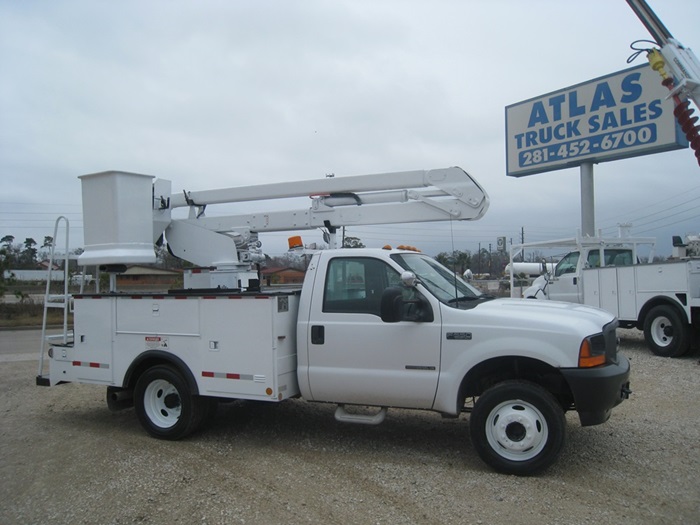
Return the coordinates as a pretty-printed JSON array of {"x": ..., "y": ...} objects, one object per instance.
[{"x": 587, "y": 200}]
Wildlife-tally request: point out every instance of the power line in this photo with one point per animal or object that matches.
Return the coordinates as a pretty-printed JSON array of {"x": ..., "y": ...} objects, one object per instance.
[
  {"x": 646, "y": 207},
  {"x": 38, "y": 213}
]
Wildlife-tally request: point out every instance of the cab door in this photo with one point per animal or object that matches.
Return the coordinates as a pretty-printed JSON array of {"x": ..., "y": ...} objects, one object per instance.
[
  {"x": 565, "y": 285},
  {"x": 356, "y": 358}
]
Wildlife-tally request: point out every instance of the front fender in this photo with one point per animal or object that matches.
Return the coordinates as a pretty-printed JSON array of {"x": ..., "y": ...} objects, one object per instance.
[
  {"x": 538, "y": 289},
  {"x": 545, "y": 355},
  {"x": 547, "y": 332}
]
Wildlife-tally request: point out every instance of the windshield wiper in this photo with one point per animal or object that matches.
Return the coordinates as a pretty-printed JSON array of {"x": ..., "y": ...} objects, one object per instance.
[
  {"x": 482, "y": 297},
  {"x": 463, "y": 298}
]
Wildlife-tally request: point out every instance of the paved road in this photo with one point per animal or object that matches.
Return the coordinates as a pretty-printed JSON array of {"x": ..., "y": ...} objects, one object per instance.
[{"x": 20, "y": 345}]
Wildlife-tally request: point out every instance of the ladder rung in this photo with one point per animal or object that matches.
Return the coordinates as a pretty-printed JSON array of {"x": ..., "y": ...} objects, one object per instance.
[{"x": 60, "y": 337}]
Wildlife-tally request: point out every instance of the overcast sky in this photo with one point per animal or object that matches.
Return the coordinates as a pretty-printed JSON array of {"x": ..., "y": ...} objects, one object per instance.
[{"x": 214, "y": 94}]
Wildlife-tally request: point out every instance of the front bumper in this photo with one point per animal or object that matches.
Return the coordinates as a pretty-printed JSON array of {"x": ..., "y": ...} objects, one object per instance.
[{"x": 598, "y": 390}]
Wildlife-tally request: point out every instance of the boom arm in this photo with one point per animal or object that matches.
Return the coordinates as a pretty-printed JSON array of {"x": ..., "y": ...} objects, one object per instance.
[
  {"x": 115, "y": 219},
  {"x": 683, "y": 76},
  {"x": 387, "y": 198},
  {"x": 410, "y": 196}
]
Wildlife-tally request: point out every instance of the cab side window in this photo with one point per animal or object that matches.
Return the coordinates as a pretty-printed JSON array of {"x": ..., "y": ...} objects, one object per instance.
[
  {"x": 593, "y": 259},
  {"x": 618, "y": 258},
  {"x": 355, "y": 285},
  {"x": 567, "y": 264}
]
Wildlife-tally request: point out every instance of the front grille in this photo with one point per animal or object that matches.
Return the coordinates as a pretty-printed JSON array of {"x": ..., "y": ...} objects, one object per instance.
[{"x": 609, "y": 336}]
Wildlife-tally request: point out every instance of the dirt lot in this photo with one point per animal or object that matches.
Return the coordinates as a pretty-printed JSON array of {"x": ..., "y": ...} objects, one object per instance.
[{"x": 64, "y": 458}]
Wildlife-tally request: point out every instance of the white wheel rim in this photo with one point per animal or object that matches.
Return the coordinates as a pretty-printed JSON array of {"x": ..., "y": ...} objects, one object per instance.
[
  {"x": 659, "y": 326},
  {"x": 161, "y": 402},
  {"x": 516, "y": 430}
]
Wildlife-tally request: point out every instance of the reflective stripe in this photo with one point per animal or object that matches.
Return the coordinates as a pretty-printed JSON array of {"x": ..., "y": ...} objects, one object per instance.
[
  {"x": 90, "y": 364},
  {"x": 228, "y": 375}
]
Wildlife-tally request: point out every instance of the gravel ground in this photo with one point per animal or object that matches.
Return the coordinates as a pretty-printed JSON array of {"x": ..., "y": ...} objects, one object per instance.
[{"x": 64, "y": 458}]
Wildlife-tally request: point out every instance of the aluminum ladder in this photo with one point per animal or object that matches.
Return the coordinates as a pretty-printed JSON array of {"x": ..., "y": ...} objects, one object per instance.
[{"x": 62, "y": 301}]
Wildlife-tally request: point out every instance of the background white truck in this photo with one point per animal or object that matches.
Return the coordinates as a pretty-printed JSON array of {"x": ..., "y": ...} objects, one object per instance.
[
  {"x": 662, "y": 299},
  {"x": 375, "y": 328}
]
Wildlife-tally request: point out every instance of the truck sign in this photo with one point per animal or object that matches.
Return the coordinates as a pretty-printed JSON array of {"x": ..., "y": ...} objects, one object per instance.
[{"x": 624, "y": 114}]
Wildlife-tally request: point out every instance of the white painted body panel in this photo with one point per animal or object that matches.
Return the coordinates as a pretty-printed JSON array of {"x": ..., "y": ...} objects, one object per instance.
[
  {"x": 550, "y": 332},
  {"x": 625, "y": 290},
  {"x": 235, "y": 346}
]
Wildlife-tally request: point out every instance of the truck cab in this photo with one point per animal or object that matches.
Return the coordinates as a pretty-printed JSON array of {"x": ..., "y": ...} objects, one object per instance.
[
  {"x": 391, "y": 328},
  {"x": 565, "y": 283}
]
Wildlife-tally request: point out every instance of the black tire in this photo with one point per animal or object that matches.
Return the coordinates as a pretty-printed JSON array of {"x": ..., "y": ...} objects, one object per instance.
[
  {"x": 665, "y": 332},
  {"x": 164, "y": 404},
  {"x": 517, "y": 427}
]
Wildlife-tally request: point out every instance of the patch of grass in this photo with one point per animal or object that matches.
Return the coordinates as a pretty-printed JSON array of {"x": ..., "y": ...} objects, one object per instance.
[{"x": 29, "y": 314}]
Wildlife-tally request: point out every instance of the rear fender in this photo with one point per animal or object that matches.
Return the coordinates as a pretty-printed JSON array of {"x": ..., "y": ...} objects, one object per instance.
[{"x": 158, "y": 357}]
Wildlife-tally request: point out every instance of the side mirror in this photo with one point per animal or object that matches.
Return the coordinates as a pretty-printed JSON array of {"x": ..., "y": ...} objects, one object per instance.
[
  {"x": 393, "y": 308},
  {"x": 409, "y": 279},
  {"x": 391, "y": 305},
  {"x": 550, "y": 272}
]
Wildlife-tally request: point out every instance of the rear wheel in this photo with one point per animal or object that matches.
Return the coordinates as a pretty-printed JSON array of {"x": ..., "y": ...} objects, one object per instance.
[
  {"x": 164, "y": 404},
  {"x": 517, "y": 427},
  {"x": 665, "y": 332}
]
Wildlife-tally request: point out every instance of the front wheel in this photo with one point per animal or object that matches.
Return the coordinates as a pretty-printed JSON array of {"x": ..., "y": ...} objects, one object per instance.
[
  {"x": 665, "y": 332},
  {"x": 164, "y": 404},
  {"x": 517, "y": 427}
]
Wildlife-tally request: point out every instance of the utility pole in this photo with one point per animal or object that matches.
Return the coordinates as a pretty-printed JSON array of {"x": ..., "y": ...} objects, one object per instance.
[
  {"x": 490, "y": 259},
  {"x": 479, "y": 264}
]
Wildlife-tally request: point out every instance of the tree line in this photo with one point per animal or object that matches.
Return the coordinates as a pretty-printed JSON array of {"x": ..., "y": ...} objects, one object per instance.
[
  {"x": 482, "y": 262},
  {"x": 26, "y": 255}
]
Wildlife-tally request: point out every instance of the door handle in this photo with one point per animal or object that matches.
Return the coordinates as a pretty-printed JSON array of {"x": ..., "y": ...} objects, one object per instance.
[{"x": 318, "y": 335}]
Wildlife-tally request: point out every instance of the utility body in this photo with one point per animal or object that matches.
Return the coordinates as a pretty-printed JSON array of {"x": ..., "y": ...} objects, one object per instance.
[
  {"x": 662, "y": 298},
  {"x": 370, "y": 328}
]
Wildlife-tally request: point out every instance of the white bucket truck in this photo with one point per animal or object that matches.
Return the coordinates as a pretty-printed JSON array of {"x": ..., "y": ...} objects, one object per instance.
[{"x": 377, "y": 328}]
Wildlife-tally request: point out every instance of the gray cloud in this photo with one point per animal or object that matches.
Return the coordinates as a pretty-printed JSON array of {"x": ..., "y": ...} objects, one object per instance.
[{"x": 217, "y": 94}]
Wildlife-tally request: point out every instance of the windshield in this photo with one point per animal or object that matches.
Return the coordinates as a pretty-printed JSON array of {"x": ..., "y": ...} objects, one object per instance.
[{"x": 441, "y": 282}]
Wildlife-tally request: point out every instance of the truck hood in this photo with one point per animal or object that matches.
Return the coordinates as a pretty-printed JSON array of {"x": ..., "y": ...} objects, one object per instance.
[
  {"x": 549, "y": 331},
  {"x": 543, "y": 315}
]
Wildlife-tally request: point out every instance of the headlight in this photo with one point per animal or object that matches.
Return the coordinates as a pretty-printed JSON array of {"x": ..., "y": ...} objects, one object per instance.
[{"x": 592, "y": 351}]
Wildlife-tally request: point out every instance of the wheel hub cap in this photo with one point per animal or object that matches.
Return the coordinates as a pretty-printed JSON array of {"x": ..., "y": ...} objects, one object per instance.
[
  {"x": 162, "y": 403},
  {"x": 516, "y": 430},
  {"x": 662, "y": 331}
]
